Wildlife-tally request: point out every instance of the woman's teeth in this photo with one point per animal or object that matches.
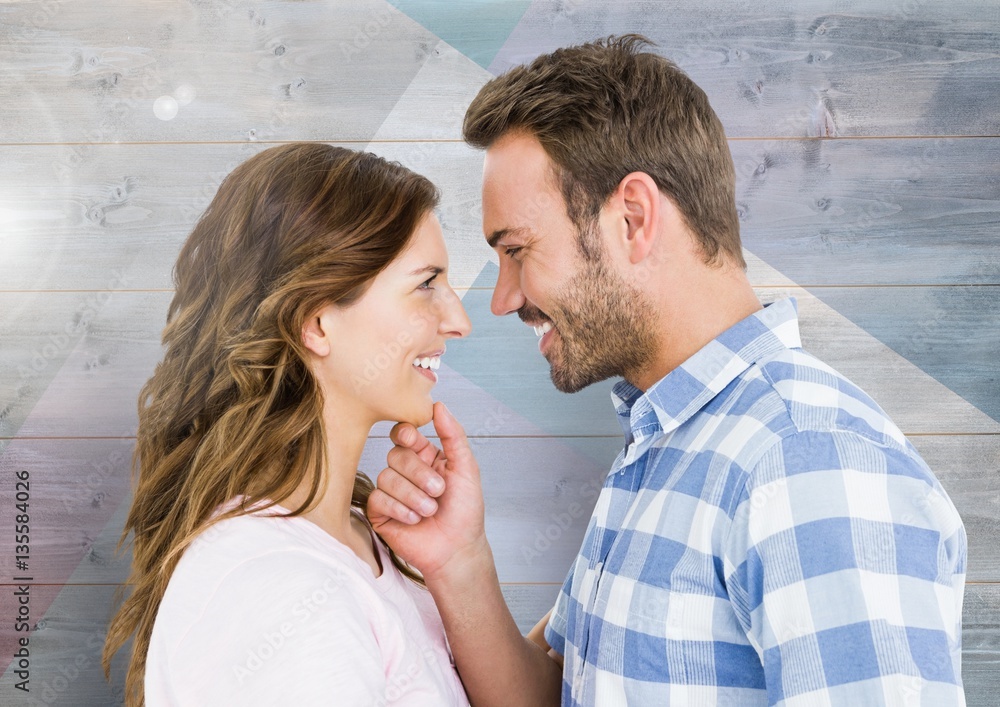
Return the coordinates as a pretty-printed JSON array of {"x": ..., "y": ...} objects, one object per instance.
[
  {"x": 427, "y": 362},
  {"x": 543, "y": 329}
]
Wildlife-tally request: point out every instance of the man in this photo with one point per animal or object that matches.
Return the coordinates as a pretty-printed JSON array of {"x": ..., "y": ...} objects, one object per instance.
[{"x": 767, "y": 535}]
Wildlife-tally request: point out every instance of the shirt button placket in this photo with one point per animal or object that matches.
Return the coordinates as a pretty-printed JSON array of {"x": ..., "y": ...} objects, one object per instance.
[{"x": 581, "y": 666}]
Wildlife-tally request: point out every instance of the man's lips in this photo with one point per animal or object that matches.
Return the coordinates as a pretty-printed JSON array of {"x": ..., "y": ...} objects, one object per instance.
[
  {"x": 542, "y": 329},
  {"x": 545, "y": 330},
  {"x": 543, "y": 326}
]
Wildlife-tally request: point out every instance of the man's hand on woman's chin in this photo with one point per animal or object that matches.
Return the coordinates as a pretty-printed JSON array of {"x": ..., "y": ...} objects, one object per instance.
[{"x": 429, "y": 502}]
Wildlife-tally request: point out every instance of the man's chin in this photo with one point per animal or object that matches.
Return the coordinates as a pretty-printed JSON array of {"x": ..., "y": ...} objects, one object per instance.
[
  {"x": 570, "y": 377},
  {"x": 572, "y": 384}
]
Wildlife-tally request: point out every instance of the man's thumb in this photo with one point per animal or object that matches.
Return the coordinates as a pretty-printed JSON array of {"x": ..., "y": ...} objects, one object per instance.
[{"x": 454, "y": 443}]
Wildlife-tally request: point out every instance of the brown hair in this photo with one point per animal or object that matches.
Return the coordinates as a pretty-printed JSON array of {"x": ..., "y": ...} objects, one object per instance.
[
  {"x": 605, "y": 109},
  {"x": 233, "y": 408}
]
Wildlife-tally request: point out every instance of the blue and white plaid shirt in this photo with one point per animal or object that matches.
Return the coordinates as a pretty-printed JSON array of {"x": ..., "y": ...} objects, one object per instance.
[{"x": 767, "y": 536}]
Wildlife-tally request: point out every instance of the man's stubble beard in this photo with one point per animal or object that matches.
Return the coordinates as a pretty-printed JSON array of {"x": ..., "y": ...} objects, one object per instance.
[{"x": 604, "y": 329}]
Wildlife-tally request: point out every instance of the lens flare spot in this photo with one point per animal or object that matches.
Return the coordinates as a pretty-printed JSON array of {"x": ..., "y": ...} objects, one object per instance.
[
  {"x": 185, "y": 93},
  {"x": 165, "y": 107}
]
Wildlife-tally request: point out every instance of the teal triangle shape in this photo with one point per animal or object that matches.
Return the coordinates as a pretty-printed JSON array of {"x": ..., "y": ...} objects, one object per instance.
[
  {"x": 477, "y": 28},
  {"x": 946, "y": 332}
]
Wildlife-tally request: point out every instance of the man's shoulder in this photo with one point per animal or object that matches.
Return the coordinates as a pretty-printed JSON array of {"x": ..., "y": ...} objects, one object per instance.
[
  {"x": 828, "y": 423},
  {"x": 788, "y": 394},
  {"x": 791, "y": 409},
  {"x": 819, "y": 399}
]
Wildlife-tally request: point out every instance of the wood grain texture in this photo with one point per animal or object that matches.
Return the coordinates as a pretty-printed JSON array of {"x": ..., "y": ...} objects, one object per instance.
[
  {"x": 65, "y": 653},
  {"x": 75, "y": 488},
  {"x": 847, "y": 212},
  {"x": 954, "y": 340},
  {"x": 787, "y": 69},
  {"x": 334, "y": 71},
  {"x": 872, "y": 212},
  {"x": 968, "y": 469},
  {"x": 116, "y": 216},
  {"x": 91, "y": 72},
  {"x": 528, "y": 603},
  {"x": 65, "y": 357},
  {"x": 981, "y": 644}
]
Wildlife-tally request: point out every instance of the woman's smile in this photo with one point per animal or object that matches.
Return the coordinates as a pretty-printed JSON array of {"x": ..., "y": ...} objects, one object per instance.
[{"x": 427, "y": 364}]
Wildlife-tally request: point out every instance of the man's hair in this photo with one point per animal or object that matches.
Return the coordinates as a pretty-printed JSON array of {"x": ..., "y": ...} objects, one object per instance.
[{"x": 604, "y": 109}]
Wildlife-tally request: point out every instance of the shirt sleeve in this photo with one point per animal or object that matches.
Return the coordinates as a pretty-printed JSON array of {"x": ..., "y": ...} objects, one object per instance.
[
  {"x": 555, "y": 629},
  {"x": 282, "y": 629},
  {"x": 846, "y": 567}
]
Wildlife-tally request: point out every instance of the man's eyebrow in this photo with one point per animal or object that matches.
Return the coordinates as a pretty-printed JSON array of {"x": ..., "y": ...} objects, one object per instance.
[
  {"x": 500, "y": 233},
  {"x": 436, "y": 269}
]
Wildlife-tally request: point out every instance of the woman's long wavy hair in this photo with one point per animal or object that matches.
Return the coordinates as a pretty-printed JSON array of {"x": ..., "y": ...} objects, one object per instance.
[{"x": 233, "y": 409}]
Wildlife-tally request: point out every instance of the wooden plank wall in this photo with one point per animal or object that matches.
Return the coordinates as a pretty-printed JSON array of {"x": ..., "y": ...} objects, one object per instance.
[{"x": 866, "y": 137}]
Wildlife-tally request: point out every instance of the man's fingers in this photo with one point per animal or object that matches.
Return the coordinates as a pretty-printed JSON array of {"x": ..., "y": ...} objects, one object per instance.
[
  {"x": 404, "y": 491},
  {"x": 537, "y": 634},
  {"x": 454, "y": 443},
  {"x": 403, "y": 434},
  {"x": 383, "y": 507},
  {"x": 416, "y": 470}
]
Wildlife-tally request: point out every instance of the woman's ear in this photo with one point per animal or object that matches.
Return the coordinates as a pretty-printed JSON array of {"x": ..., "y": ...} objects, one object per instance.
[{"x": 316, "y": 331}]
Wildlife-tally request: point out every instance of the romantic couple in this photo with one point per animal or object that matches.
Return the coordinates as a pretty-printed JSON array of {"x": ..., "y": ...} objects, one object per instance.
[{"x": 766, "y": 536}]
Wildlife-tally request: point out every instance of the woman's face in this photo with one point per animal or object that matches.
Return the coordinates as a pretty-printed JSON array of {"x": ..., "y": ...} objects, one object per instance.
[{"x": 376, "y": 359}]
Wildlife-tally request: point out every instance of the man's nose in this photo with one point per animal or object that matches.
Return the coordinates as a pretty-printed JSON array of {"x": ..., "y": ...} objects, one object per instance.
[{"x": 507, "y": 295}]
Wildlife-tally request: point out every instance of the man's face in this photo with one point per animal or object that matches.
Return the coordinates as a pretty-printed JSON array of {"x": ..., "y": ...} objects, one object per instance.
[{"x": 596, "y": 325}]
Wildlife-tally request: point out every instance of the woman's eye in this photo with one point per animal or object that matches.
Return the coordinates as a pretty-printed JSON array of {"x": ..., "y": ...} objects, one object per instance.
[{"x": 426, "y": 284}]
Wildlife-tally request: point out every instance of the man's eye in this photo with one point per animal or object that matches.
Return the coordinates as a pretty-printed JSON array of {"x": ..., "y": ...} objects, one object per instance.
[{"x": 512, "y": 250}]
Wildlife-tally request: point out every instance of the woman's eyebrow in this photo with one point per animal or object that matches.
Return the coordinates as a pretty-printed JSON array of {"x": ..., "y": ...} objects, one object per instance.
[{"x": 436, "y": 269}]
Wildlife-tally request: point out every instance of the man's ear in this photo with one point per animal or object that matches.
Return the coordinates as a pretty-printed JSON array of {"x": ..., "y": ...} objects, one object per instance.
[
  {"x": 639, "y": 200},
  {"x": 316, "y": 331}
]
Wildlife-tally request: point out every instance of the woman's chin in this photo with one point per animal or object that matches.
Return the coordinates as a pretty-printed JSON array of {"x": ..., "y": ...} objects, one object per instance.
[{"x": 418, "y": 417}]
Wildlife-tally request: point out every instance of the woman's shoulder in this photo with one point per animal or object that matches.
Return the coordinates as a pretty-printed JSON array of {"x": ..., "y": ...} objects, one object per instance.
[
  {"x": 262, "y": 542},
  {"x": 262, "y": 599},
  {"x": 256, "y": 570},
  {"x": 255, "y": 604}
]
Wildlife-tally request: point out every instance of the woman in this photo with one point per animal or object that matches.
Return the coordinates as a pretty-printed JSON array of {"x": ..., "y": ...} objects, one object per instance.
[{"x": 311, "y": 302}]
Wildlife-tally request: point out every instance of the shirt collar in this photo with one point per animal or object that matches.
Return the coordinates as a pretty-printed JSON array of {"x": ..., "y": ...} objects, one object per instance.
[{"x": 676, "y": 397}]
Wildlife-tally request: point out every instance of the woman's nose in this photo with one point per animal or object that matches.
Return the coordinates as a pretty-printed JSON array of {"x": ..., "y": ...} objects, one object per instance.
[{"x": 456, "y": 322}]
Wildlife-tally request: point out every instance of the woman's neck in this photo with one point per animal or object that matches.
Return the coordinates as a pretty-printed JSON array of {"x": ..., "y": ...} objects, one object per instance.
[{"x": 331, "y": 511}]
